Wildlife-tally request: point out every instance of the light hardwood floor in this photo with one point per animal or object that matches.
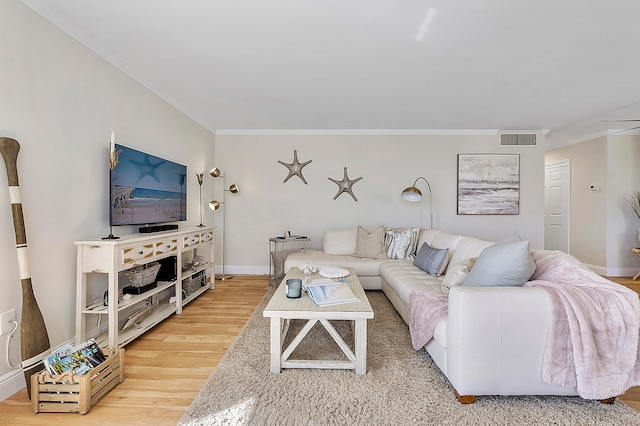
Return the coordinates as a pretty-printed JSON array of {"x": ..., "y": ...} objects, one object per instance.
[{"x": 166, "y": 367}]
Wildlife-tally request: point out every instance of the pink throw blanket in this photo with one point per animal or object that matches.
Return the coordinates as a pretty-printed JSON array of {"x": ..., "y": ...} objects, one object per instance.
[
  {"x": 426, "y": 310},
  {"x": 592, "y": 343},
  {"x": 593, "y": 339}
]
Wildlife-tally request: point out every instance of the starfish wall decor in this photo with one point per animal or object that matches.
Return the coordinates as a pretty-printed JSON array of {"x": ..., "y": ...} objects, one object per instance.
[
  {"x": 345, "y": 185},
  {"x": 295, "y": 168}
]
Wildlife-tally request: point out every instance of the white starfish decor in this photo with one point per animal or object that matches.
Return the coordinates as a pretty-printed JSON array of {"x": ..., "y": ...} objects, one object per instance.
[
  {"x": 345, "y": 185},
  {"x": 295, "y": 168}
]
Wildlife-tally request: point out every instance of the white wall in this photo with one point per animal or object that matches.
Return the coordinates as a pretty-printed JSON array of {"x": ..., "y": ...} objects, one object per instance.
[
  {"x": 266, "y": 206},
  {"x": 61, "y": 102},
  {"x": 603, "y": 227},
  {"x": 623, "y": 177},
  {"x": 588, "y": 219}
]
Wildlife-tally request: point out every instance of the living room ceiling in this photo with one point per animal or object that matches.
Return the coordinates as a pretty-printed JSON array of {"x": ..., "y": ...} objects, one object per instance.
[{"x": 562, "y": 66}]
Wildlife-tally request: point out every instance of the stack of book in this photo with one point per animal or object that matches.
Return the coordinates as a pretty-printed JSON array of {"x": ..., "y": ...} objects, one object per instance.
[{"x": 326, "y": 292}]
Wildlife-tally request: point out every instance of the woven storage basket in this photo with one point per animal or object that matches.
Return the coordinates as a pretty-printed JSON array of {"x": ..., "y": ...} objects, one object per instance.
[
  {"x": 193, "y": 283},
  {"x": 143, "y": 275}
]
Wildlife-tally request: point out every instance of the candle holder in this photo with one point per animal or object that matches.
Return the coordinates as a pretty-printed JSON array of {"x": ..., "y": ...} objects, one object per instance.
[{"x": 112, "y": 162}]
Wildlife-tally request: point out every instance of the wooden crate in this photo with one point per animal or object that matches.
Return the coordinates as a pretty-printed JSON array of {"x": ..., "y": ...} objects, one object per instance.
[{"x": 79, "y": 394}]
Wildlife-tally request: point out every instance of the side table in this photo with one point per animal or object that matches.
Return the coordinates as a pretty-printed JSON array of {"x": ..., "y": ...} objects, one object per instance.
[
  {"x": 277, "y": 247},
  {"x": 636, "y": 250}
]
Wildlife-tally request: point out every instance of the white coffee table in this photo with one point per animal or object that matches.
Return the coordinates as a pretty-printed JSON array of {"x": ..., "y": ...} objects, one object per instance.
[{"x": 282, "y": 310}]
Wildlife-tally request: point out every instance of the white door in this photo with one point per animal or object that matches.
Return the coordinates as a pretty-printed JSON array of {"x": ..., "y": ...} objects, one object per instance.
[{"x": 557, "y": 206}]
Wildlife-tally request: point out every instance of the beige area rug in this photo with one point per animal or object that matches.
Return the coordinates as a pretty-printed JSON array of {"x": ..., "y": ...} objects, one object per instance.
[{"x": 401, "y": 387}]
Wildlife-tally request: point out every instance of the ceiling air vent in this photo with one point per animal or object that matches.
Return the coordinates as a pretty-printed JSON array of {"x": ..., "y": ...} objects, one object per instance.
[{"x": 518, "y": 139}]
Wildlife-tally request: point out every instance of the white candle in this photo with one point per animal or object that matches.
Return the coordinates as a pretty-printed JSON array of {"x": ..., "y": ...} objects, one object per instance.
[{"x": 113, "y": 141}]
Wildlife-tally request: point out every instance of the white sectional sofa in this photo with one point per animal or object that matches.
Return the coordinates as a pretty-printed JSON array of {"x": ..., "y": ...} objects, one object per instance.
[{"x": 492, "y": 342}]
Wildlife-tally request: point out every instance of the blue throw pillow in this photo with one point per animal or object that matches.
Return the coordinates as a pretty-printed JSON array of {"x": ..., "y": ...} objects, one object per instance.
[
  {"x": 431, "y": 260},
  {"x": 502, "y": 264}
]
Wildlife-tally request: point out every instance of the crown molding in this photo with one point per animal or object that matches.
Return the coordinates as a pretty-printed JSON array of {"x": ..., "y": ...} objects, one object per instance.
[{"x": 356, "y": 132}]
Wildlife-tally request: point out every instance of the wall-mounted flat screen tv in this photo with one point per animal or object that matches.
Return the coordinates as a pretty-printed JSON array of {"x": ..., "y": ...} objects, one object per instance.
[{"x": 146, "y": 189}]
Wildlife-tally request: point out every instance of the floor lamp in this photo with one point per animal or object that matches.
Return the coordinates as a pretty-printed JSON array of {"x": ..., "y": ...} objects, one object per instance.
[
  {"x": 200, "y": 177},
  {"x": 216, "y": 205},
  {"x": 414, "y": 195}
]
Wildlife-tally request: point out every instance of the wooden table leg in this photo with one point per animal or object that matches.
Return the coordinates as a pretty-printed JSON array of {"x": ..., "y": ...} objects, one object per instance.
[
  {"x": 275, "y": 344},
  {"x": 361, "y": 345}
]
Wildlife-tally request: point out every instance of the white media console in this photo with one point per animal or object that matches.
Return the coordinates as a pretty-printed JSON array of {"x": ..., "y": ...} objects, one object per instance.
[{"x": 120, "y": 320}]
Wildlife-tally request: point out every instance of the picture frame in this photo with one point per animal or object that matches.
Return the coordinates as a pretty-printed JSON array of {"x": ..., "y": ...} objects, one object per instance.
[{"x": 488, "y": 184}]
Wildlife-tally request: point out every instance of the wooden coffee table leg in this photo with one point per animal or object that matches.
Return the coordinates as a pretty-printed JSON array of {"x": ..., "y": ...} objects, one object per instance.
[
  {"x": 275, "y": 344},
  {"x": 361, "y": 345}
]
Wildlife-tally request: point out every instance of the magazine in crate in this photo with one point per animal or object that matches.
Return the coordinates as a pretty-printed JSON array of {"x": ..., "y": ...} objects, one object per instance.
[
  {"x": 78, "y": 359},
  {"x": 325, "y": 292}
]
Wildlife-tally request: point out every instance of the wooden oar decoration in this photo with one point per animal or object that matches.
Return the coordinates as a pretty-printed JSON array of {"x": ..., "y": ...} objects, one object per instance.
[{"x": 34, "y": 340}]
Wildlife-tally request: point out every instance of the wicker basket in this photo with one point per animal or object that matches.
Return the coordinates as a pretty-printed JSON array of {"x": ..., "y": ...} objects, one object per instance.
[
  {"x": 143, "y": 275},
  {"x": 193, "y": 283}
]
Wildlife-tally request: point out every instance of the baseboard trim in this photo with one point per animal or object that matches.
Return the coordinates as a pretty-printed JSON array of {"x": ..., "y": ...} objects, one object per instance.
[
  {"x": 612, "y": 272},
  {"x": 243, "y": 270},
  {"x": 11, "y": 383},
  {"x": 14, "y": 381}
]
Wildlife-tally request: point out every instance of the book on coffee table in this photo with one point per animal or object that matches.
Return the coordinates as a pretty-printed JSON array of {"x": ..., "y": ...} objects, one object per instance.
[{"x": 324, "y": 293}]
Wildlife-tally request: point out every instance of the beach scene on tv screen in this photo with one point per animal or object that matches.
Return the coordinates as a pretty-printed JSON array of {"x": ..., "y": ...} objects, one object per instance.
[{"x": 147, "y": 189}]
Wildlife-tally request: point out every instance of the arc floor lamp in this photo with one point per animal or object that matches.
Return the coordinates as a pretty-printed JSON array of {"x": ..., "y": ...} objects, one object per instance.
[
  {"x": 414, "y": 195},
  {"x": 216, "y": 205}
]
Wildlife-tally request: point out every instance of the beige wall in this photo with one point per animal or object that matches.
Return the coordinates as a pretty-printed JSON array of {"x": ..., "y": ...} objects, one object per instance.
[
  {"x": 588, "y": 240},
  {"x": 623, "y": 177},
  {"x": 266, "y": 206},
  {"x": 603, "y": 228},
  {"x": 61, "y": 102}
]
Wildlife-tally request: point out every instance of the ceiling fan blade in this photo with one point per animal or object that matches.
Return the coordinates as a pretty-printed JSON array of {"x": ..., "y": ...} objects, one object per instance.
[{"x": 618, "y": 121}]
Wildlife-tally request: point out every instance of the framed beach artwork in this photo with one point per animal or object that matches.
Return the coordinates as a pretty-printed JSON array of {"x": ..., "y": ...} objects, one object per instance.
[{"x": 488, "y": 184}]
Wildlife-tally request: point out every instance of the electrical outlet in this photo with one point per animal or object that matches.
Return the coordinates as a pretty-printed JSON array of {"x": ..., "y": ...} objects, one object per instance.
[{"x": 5, "y": 321}]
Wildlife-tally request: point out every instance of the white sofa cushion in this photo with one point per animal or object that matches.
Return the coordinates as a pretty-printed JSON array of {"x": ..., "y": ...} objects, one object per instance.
[
  {"x": 469, "y": 247},
  {"x": 404, "y": 277},
  {"x": 441, "y": 240},
  {"x": 440, "y": 333},
  {"x": 340, "y": 242}
]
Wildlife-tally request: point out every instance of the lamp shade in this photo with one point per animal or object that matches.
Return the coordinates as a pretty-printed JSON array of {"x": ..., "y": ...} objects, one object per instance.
[
  {"x": 412, "y": 194},
  {"x": 215, "y": 172},
  {"x": 234, "y": 188},
  {"x": 214, "y": 205}
]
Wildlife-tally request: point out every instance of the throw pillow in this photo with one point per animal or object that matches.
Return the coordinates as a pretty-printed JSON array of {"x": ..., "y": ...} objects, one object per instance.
[
  {"x": 341, "y": 242},
  {"x": 401, "y": 244},
  {"x": 502, "y": 264},
  {"x": 431, "y": 260},
  {"x": 457, "y": 273},
  {"x": 370, "y": 244}
]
